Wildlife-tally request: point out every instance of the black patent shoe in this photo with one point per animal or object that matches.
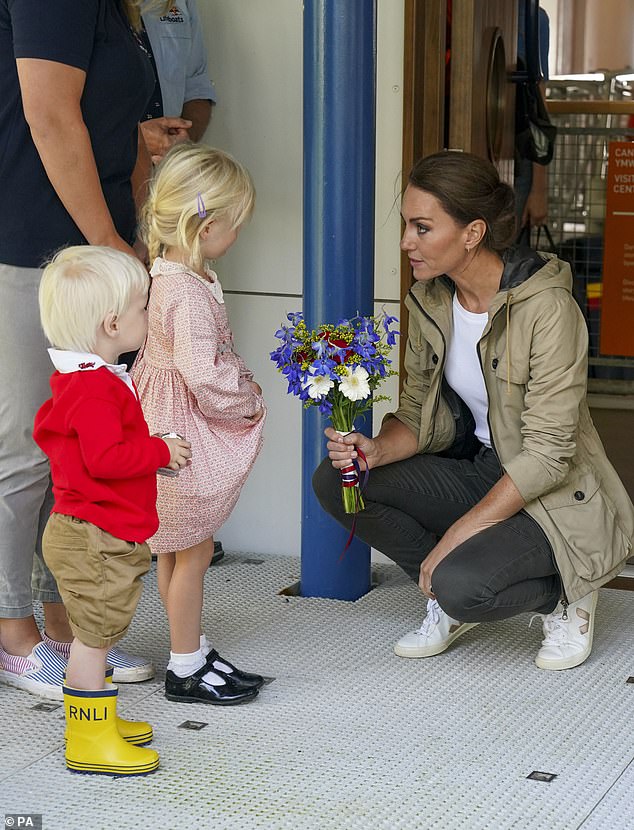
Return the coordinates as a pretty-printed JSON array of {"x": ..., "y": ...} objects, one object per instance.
[
  {"x": 193, "y": 689},
  {"x": 241, "y": 679}
]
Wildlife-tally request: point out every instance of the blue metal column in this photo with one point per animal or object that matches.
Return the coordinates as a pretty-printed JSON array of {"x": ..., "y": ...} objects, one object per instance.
[{"x": 339, "y": 171}]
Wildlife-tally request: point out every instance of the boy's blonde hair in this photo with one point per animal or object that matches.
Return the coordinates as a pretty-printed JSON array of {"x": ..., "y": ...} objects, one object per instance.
[
  {"x": 192, "y": 185},
  {"x": 80, "y": 287}
]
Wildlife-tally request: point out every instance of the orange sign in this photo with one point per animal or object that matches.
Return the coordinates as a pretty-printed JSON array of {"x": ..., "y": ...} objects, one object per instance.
[{"x": 617, "y": 303}]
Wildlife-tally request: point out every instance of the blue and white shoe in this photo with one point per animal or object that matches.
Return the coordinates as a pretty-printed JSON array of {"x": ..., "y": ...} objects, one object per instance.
[
  {"x": 128, "y": 668},
  {"x": 41, "y": 673}
]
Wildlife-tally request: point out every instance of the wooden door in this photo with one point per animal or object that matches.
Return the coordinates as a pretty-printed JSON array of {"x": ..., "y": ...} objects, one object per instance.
[
  {"x": 458, "y": 59},
  {"x": 481, "y": 101},
  {"x": 459, "y": 56}
]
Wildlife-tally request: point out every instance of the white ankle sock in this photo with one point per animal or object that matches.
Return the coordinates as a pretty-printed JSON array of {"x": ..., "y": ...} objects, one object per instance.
[
  {"x": 184, "y": 665},
  {"x": 220, "y": 666},
  {"x": 214, "y": 679},
  {"x": 205, "y": 647}
]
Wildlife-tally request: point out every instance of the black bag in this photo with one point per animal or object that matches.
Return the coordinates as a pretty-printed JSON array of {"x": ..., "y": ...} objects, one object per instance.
[
  {"x": 534, "y": 131},
  {"x": 524, "y": 237},
  {"x": 552, "y": 248}
]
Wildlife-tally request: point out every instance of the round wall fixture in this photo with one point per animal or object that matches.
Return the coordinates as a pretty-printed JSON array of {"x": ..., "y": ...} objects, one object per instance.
[{"x": 496, "y": 96}]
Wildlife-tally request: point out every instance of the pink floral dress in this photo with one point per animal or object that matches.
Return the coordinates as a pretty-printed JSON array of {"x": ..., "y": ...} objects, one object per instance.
[{"x": 191, "y": 381}]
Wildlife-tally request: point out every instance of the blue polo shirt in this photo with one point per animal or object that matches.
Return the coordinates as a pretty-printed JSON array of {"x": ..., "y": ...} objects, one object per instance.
[
  {"x": 94, "y": 36},
  {"x": 181, "y": 59}
]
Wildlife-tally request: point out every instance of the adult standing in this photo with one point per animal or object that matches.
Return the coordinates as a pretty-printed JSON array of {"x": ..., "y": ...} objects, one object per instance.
[
  {"x": 531, "y": 179},
  {"x": 181, "y": 105},
  {"x": 74, "y": 83},
  {"x": 489, "y": 485}
]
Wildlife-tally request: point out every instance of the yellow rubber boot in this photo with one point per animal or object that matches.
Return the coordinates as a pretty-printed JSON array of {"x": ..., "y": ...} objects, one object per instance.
[
  {"x": 94, "y": 744},
  {"x": 136, "y": 732}
]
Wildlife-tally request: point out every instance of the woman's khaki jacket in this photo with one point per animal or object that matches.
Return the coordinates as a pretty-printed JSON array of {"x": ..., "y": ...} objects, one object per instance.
[{"x": 533, "y": 354}]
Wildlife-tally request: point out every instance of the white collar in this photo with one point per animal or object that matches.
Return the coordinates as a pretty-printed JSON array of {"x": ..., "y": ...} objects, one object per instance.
[{"x": 66, "y": 362}]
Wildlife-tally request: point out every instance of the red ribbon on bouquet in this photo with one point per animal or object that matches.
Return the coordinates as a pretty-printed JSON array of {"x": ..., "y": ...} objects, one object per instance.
[{"x": 350, "y": 478}]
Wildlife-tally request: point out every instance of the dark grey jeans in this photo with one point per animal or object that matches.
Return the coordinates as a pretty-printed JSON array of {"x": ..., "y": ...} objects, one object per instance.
[{"x": 500, "y": 572}]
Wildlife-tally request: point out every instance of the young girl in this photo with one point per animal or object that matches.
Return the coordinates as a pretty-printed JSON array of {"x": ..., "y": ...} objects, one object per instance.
[{"x": 191, "y": 382}]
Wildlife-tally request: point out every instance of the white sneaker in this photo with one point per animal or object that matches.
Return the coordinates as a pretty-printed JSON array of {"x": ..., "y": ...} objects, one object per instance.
[
  {"x": 127, "y": 667},
  {"x": 568, "y": 634},
  {"x": 435, "y": 635}
]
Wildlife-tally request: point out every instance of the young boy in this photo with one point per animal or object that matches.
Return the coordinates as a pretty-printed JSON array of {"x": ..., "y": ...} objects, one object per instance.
[{"x": 103, "y": 465}]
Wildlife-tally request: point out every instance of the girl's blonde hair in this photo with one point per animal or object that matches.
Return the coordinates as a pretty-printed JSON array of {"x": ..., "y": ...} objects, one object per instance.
[
  {"x": 80, "y": 287},
  {"x": 192, "y": 185}
]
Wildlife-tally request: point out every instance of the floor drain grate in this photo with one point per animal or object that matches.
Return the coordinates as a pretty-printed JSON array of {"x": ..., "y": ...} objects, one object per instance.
[
  {"x": 46, "y": 707},
  {"x": 536, "y": 775},
  {"x": 194, "y": 725}
]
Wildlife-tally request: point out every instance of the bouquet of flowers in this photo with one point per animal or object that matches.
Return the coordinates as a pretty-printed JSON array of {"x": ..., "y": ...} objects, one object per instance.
[{"x": 337, "y": 368}]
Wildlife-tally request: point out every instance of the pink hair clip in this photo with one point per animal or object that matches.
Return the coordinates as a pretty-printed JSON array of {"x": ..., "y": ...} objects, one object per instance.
[{"x": 202, "y": 210}]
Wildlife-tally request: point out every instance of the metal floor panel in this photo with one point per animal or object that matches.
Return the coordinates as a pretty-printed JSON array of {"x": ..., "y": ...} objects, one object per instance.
[{"x": 347, "y": 735}]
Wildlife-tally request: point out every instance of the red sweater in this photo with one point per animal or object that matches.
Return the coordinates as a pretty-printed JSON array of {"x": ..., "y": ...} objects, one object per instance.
[{"x": 103, "y": 459}]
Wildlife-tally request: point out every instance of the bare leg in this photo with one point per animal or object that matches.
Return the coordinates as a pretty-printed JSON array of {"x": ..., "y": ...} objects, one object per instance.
[
  {"x": 19, "y": 636},
  {"x": 184, "y": 596},
  {"x": 56, "y": 622},
  {"x": 86, "y": 667},
  {"x": 164, "y": 569}
]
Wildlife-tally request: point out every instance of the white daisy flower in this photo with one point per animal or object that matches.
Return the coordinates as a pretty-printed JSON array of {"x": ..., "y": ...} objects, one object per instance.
[
  {"x": 355, "y": 386},
  {"x": 318, "y": 386}
]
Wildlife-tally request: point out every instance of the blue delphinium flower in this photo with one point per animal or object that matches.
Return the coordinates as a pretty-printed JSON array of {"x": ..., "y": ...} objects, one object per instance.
[
  {"x": 360, "y": 342},
  {"x": 323, "y": 366},
  {"x": 390, "y": 334},
  {"x": 321, "y": 348}
]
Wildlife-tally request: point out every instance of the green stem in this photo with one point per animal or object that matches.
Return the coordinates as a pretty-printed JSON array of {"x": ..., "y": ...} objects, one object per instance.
[{"x": 352, "y": 499}]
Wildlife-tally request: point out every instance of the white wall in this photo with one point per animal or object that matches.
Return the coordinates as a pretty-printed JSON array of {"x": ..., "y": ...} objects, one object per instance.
[{"x": 255, "y": 61}]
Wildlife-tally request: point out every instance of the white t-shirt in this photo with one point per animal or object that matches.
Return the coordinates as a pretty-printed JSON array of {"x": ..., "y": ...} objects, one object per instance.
[{"x": 462, "y": 369}]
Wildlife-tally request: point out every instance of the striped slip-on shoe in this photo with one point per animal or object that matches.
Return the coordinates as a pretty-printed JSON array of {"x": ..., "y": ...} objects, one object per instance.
[
  {"x": 128, "y": 668},
  {"x": 41, "y": 673}
]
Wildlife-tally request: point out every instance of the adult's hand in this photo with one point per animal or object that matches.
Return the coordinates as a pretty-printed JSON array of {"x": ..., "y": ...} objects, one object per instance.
[
  {"x": 535, "y": 210},
  {"x": 343, "y": 448},
  {"x": 121, "y": 245},
  {"x": 428, "y": 565},
  {"x": 395, "y": 442},
  {"x": 160, "y": 134}
]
